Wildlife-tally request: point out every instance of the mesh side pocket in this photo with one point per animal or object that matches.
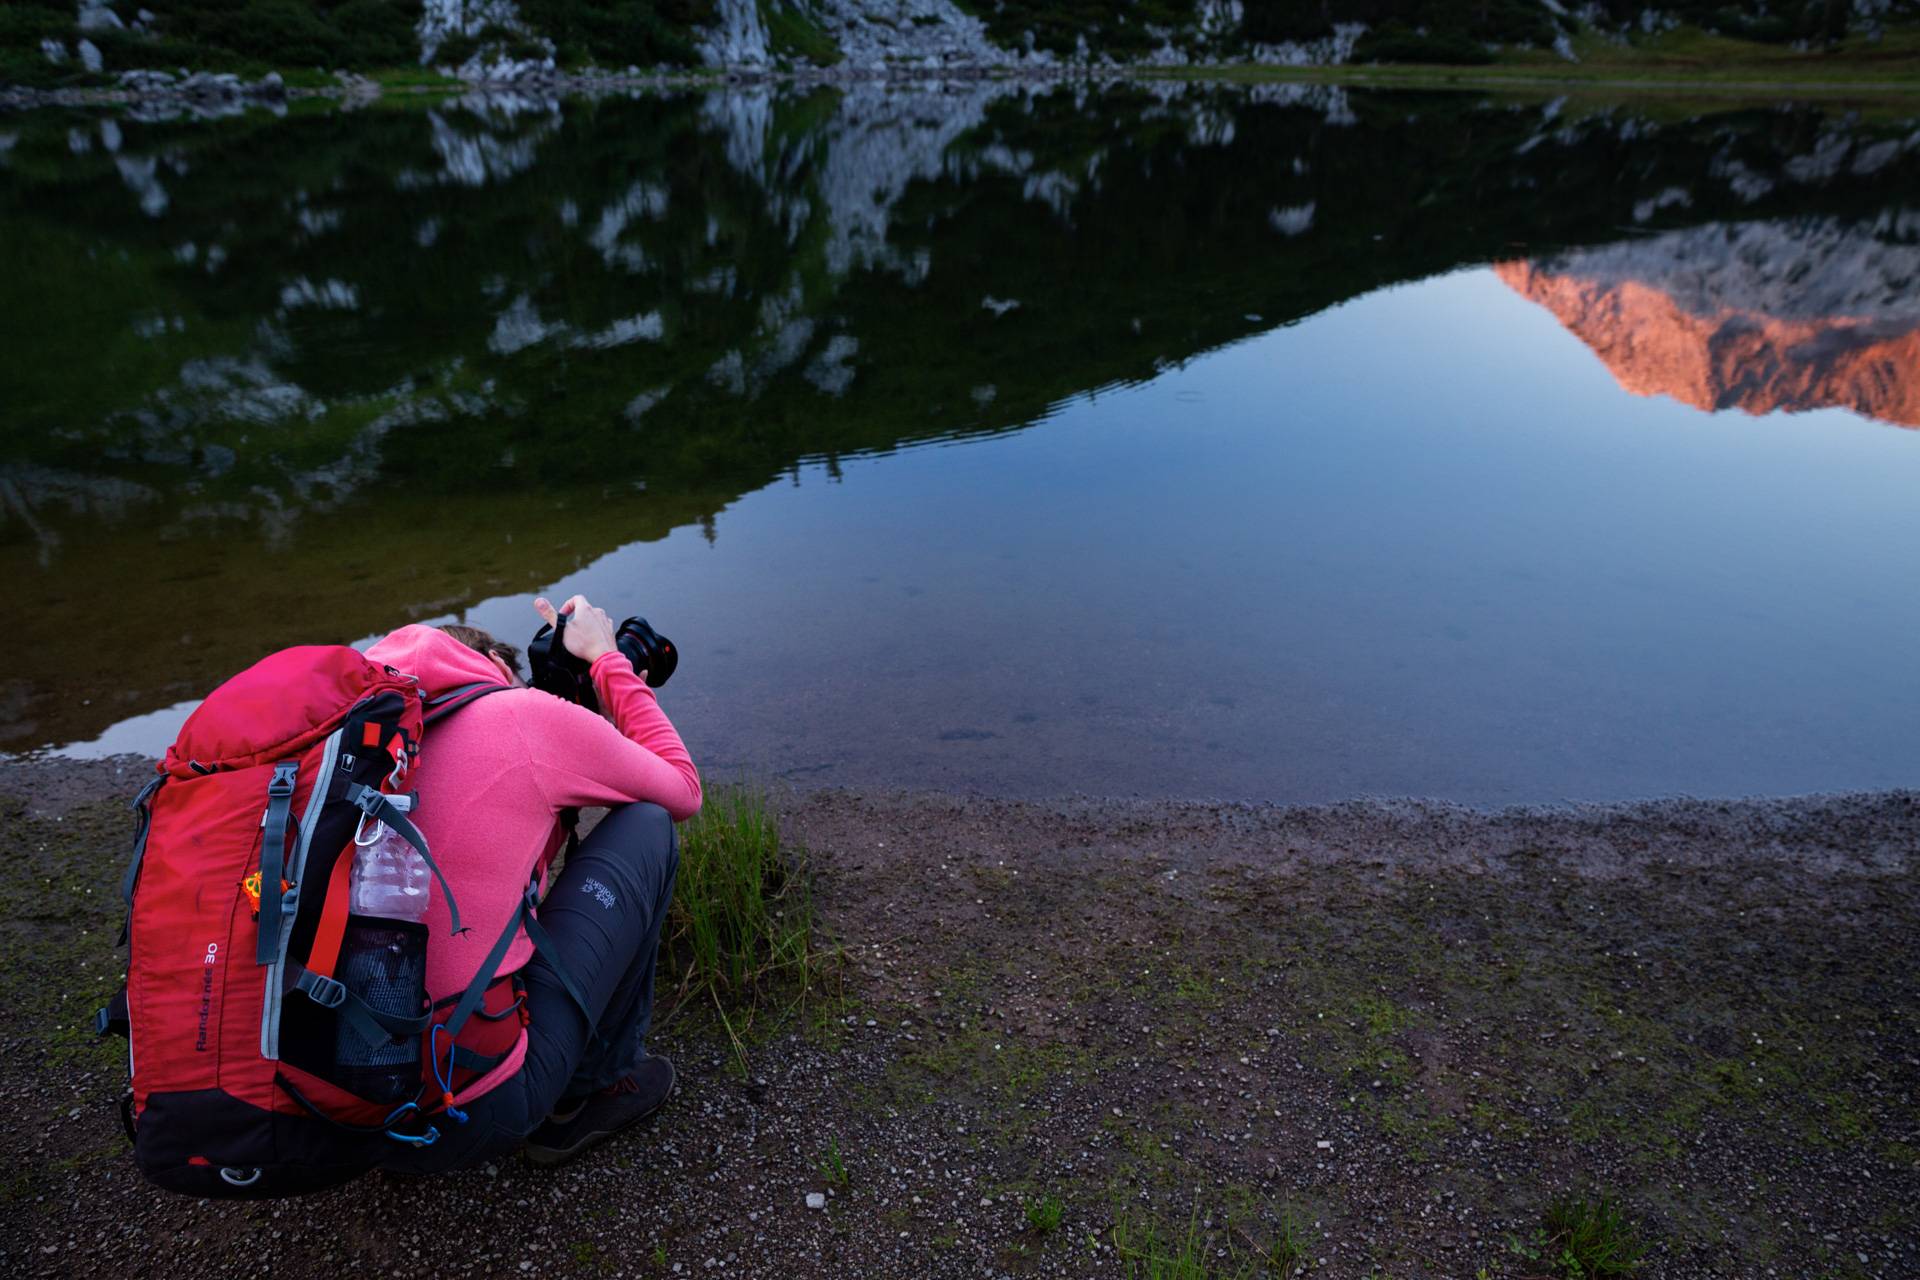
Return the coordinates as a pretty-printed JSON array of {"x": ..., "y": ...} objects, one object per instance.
[{"x": 384, "y": 962}]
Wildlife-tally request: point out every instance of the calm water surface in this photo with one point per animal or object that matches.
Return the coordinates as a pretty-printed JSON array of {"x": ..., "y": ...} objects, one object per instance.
[{"x": 1294, "y": 444}]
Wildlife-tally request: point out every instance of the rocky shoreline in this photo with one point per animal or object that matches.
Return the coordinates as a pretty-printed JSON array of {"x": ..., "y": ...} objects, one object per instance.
[
  {"x": 195, "y": 93},
  {"x": 160, "y": 93},
  {"x": 1359, "y": 1040}
]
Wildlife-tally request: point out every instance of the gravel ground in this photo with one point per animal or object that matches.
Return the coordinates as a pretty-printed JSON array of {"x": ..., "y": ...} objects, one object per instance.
[{"x": 1379, "y": 1037}]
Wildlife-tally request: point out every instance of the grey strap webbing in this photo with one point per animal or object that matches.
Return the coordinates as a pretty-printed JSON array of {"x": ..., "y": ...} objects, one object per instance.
[
  {"x": 463, "y": 1059},
  {"x": 375, "y": 804},
  {"x": 142, "y": 824},
  {"x": 542, "y": 941},
  {"x": 374, "y": 1024},
  {"x": 273, "y": 860},
  {"x": 454, "y": 699},
  {"x": 483, "y": 977}
]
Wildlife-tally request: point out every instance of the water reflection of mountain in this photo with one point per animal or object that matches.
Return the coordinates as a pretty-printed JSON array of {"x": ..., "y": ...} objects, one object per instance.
[
  {"x": 273, "y": 377},
  {"x": 1758, "y": 316}
]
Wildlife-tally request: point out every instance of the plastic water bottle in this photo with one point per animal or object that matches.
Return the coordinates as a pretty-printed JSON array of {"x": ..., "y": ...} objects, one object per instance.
[
  {"x": 390, "y": 878},
  {"x": 383, "y": 962}
]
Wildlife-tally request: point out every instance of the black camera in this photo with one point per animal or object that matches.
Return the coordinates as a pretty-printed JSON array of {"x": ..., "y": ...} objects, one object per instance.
[{"x": 559, "y": 672}]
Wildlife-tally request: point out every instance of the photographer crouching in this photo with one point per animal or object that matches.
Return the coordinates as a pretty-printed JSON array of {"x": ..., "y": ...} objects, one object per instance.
[{"x": 501, "y": 784}]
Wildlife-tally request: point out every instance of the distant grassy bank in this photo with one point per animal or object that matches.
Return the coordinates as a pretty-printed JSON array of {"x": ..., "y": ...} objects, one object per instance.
[
  {"x": 1747, "y": 71},
  {"x": 1687, "y": 59}
]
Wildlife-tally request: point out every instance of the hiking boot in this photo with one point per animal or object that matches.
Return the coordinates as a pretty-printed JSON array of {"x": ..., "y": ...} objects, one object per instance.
[{"x": 577, "y": 1124}]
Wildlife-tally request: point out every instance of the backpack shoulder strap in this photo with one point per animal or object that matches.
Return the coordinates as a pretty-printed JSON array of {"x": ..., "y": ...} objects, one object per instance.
[
  {"x": 453, "y": 699},
  {"x": 471, "y": 999}
]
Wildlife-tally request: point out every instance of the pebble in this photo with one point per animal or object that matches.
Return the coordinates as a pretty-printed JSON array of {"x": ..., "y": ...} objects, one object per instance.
[{"x": 816, "y": 1200}]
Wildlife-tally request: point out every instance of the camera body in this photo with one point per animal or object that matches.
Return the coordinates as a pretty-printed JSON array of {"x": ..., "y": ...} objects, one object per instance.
[{"x": 557, "y": 671}]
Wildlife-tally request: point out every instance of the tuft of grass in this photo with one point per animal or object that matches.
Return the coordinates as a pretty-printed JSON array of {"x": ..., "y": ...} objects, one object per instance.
[
  {"x": 1288, "y": 1256},
  {"x": 1043, "y": 1215},
  {"x": 1214, "y": 1249},
  {"x": 831, "y": 1166},
  {"x": 1149, "y": 1255},
  {"x": 1592, "y": 1238},
  {"x": 741, "y": 933},
  {"x": 1150, "y": 1252}
]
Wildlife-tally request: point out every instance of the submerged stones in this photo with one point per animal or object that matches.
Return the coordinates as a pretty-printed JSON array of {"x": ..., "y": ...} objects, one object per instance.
[
  {"x": 146, "y": 81},
  {"x": 157, "y": 95}
]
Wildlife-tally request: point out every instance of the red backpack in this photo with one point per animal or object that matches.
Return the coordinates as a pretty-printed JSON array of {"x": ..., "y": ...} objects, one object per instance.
[{"x": 252, "y": 1037}]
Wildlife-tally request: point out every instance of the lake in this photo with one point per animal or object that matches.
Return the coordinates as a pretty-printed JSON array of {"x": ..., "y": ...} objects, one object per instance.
[{"x": 1286, "y": 443}]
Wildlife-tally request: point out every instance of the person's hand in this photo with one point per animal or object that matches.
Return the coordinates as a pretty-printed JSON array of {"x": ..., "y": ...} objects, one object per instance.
[{"x": 589, "y": 630}]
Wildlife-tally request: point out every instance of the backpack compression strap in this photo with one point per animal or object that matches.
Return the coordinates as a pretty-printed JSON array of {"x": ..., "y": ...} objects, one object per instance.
[
  {"x": 324, "y": 954},
  {"x": 273, "y": 855},
  {"x": 142, "y": 823},
  {"x": 375, "y": 803}
]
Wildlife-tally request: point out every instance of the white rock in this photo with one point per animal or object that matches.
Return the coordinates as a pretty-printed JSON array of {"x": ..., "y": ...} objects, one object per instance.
[
  {"x": 738, "y": 39},
  {"x": 97, "y": 17},
  {"x": 441, "y": 20},
  {"x": 89, "y": 55},
  {"x": 816, "y": 1200}
]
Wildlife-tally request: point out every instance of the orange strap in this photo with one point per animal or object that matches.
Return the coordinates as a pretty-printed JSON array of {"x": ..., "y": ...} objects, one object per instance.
[{"x": 333, "y": 919}]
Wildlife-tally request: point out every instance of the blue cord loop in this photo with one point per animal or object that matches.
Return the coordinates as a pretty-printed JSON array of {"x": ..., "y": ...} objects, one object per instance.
[
  {"x": 444, "y": 1081},
  {"x": 427, "y": 1139}
]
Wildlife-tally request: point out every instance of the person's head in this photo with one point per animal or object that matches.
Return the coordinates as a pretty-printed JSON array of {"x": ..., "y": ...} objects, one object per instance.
[{"x": 505, "y": 658}]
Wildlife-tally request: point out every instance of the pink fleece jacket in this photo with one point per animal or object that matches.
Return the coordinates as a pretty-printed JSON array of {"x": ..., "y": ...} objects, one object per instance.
[{"x": 494, "y": 776}]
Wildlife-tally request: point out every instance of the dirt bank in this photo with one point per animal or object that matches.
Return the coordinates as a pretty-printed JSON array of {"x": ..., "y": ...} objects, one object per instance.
[{"x": 1389, "y": 1035}]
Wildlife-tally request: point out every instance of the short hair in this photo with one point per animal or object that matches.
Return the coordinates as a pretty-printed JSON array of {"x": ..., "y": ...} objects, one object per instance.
[{"x": 480, "y": 642}]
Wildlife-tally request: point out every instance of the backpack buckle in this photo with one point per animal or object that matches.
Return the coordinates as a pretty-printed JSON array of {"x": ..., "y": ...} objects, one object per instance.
[
  {"x": 282, "y": 784},
  {"x": 328, "y": 993}
]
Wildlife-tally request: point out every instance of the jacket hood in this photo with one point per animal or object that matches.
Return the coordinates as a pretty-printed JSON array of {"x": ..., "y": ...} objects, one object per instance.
[{"x": 434, "y": 658}]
